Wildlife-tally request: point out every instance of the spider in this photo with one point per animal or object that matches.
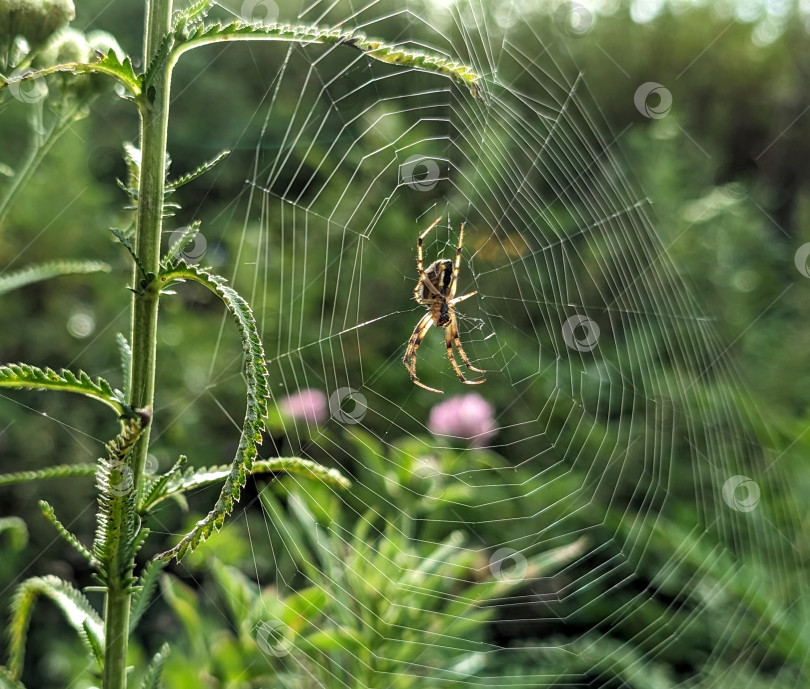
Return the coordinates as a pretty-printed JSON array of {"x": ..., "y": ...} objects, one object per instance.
[{"x": 436, "y": 290}]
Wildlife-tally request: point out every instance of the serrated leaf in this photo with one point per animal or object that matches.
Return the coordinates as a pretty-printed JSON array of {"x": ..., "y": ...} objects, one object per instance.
[
  {"x": 27, "y": 377},
  {"x": 157, "y": 62},
  {"x": 46, "y": 271},
  {"x": 124, "y": 241},
  {"x": 155, "y": 489},
  {"x": 125, "y": 354},
  {"x": 76, "y": 609},
  {"x": 193, "y": 12},
  {"x": 109, "y": 64},
  {"x": 69, "y": 537},
  {"x": 184, "y": 240},
  {"x": 145, "y": 590},
  {"x": 59, "y": 471},
  {"x": 116, "y": 532},
  {"x": 193, "y": 478},
  {"x": 151, "y": 680},
  {"x": 377, "y": 49},
  {"x": 171, "y": 185},
  {"x": 258, "y": 393}
]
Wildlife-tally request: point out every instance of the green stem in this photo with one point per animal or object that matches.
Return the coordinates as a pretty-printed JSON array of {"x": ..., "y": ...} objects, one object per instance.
[{"x": 154, "y": 112}]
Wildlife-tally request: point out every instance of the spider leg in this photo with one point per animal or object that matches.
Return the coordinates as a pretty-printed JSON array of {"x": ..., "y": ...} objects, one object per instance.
[
  {"x": 419, "y": 332},
  {"x": 456, "y": 267},
  {"x": 452, "y": 333},
  {"x": 419, "y": 253},
  {"x": 457, "y": 300},
  {"x": 420, "y": 258}
]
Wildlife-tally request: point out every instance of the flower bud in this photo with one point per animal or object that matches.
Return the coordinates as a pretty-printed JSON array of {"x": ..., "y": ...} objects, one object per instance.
[{"x": 35, "y": 20}]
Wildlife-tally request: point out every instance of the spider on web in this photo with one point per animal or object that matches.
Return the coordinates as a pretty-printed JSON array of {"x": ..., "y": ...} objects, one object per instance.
[{"x": 436, "y": 290}]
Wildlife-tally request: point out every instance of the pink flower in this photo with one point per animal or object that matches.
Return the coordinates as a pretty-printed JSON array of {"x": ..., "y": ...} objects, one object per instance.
[
  {"x": 308, "y": 405},
  {"x": 466, "y": 416}
]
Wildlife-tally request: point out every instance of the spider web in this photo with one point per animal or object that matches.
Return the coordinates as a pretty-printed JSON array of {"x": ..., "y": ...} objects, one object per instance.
[
  {"x": 615, "y": 402},
  {"x": 625, "y": 443}
]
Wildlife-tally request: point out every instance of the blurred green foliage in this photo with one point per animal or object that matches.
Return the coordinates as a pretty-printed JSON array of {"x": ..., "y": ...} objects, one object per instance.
[{"x": 727, "y": 173}]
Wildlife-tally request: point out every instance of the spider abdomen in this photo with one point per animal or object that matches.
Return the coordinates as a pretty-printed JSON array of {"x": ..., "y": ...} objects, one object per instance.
[{"x": 440, "y": 275}]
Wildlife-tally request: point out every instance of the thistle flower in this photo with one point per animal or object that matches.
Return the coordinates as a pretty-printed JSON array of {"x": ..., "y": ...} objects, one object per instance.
[
  {"x": 309, "y": 405},
  {"x": 469, "y": 417}
]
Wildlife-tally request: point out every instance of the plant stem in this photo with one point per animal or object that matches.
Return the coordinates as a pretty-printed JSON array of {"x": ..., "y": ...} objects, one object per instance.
[{"x": 154, "y": 111}]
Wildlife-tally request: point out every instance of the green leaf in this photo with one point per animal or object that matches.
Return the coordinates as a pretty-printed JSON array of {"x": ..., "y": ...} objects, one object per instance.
[
  {"x": 155, "y": 489},
  {"x": 59, "y": 471},
  {"x": 125, "y": 352},
  {"x": 184, "y": 240},
  {"x": 127, "y": 244},
  {"x": 171, "y": 185},
  {"x": 145, "y": 590},
  {"x": 151, "y": 680},
  {"x": 157, "y": 61},
  {"x": 18, "y": 532},
  {"x": 45, "y": 271},
  {"x": 193, "y": 478},
  {"x": 116, "y": 533},
  {"x": 27, "y": 377},
  {"x": 193, "y": 12},
  {"x": 74, "y": 606},
  {"x": 206, "y": 34},
  {"x": 50, "y": 515},
  {"x": 109, "y": 65},
  {"x": 255, "y": 369}
]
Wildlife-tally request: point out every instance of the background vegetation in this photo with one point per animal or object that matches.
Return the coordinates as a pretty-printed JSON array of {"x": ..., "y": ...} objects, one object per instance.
[{"x": 727, "y": 173}]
